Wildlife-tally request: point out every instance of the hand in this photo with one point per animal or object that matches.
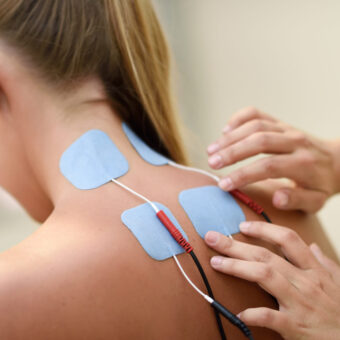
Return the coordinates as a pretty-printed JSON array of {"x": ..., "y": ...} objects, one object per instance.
[
  {"x": 307, "y": 161},
  {"x": 307, "y": 288}
]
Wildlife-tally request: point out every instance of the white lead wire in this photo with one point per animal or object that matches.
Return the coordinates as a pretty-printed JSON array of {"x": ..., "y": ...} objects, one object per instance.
[
  {"x": 136, "y": 194},
  {"x": 200, "y": 171},
  {"x": 208, "y": 298}
]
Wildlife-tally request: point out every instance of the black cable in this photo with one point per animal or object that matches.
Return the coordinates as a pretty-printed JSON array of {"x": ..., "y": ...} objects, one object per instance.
[
  {"x": 233, "y": 319},
  {"x": 210, "y": 293},
  {"x": 266, "y": 217}
]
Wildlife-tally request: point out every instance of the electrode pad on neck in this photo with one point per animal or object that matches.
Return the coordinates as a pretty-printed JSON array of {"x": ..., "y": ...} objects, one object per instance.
[
  {"x": 149, "y": 155},
  {"x": 92, "y": 161},
  {"x": 150, "y": 232},
  {"x": 211, "y": 208}
]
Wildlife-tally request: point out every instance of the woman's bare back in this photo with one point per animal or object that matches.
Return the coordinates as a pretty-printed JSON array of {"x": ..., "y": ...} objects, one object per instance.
[{"x": 83, "y": 274}]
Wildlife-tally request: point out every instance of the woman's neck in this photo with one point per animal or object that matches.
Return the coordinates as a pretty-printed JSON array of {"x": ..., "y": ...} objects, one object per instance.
[{"x": 52, "y": 126}]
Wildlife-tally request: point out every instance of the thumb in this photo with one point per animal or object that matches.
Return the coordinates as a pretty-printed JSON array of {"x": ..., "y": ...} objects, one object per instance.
[{"x": 299, "y": 199}]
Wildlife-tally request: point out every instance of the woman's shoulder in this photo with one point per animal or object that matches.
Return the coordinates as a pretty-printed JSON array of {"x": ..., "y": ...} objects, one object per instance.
[{"x": 63, "y": 282}]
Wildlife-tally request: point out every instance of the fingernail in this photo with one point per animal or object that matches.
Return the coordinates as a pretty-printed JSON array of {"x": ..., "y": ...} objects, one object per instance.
[
  {"x": 280, "y": 199},
  {"x": 245, "y": 226},
  {"x": 215, "y": 160},
  {"x": 216, "y": 261},
  {"x": 212, "y": 237},
  {"x": 226, "y": 129},
  {"x": 213, "y": 148},
  {"x": 226, "y": 183}
]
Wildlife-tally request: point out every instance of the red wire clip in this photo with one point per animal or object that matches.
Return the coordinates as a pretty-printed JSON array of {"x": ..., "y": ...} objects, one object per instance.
[
  {"x": 247, "y": 200},
  {"x": 175, "y": 233}
]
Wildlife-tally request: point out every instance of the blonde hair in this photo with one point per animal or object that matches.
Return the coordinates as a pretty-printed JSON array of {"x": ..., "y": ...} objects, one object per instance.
[{"x": 120, "y": 41}]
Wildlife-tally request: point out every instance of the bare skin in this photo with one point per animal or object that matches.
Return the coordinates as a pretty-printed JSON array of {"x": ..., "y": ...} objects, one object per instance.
[{"x": 82, "y": 274}]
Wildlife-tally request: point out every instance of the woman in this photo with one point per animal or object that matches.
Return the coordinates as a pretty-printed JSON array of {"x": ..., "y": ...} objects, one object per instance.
[
  {"x": 68, "y": 66},
  {"x": 307, "y": 288}
]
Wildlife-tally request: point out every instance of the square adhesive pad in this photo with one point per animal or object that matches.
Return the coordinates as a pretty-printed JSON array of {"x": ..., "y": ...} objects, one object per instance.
[
  {"x": 211, "y": 208},
  {"x": 92, "y": 161},
  {"x": 150, "y": 232},
  {"x": 148, "y": 154}
]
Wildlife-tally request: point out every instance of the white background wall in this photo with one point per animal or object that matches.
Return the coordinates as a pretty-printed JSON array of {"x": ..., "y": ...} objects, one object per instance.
[{"x": 281, "y": 56}]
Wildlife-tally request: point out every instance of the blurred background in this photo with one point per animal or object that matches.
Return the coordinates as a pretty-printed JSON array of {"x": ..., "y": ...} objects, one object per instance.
[{"x": 281, "y": 56}]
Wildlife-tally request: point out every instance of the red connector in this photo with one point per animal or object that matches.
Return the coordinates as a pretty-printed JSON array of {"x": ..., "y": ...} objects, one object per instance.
[
  {"x": 175, "y": 233},
  {"x": 247, "y": 200}
]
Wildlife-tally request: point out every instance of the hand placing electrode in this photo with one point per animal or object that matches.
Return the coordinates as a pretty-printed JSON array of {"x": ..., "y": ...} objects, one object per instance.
[
  {"x": 313, "y": 165},
  {"x": 307, "y": 286}
]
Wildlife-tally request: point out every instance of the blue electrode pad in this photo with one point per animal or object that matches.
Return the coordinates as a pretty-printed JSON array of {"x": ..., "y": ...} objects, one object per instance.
[
  {"x": 150, "y": 232},
  {"x": 92, "y": 160},
  {"x": 149, "y": 155},
  {"x": 211, "y": 208}
]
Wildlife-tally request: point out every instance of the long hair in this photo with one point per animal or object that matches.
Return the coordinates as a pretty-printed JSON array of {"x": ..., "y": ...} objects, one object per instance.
[{"x": 120, "y": 41}]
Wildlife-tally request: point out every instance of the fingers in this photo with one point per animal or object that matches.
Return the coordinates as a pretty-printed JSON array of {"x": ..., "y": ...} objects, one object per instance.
[
  {"x": 243, "y": 251},
  {"x": 288, "y": 240},
  {"x": 245, "y": 115},
  {"x": 259, "y": 142},
  {"x": 269, "y": 318},
  {"x": 263, "y": 274},
  {"x": 299, "y": 199},
  {"x": 269, "y": 167},
  {"x": 243, "y": 131}
]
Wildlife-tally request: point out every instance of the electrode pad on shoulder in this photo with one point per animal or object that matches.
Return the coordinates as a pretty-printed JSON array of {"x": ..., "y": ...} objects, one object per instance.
[
  {"x": 149, "y": 155},
  {"x": 150, "y": 232},
  {"x": 92, "y": 161},
  {"x": 211, "y": 208}
]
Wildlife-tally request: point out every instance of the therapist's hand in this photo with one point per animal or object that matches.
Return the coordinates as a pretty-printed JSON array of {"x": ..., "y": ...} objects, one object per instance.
[
  {"x": 309, "y": 162},
  {"x": 307, "y": 288}
]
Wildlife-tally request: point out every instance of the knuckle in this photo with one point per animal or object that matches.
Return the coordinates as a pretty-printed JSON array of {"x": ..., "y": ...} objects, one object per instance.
[
  {"x": 263, "y": 255},
  {"x": 300, "y": 138},
  {"x": 225, "y": 244},
  {"x": 311, "y": 288},
  {"x": 224, "y": 140},
  {"x": 251, "y": 109},
  {"x": 230, "y": 155},
  {"x": 263, "y": 140},
  {"x": 225, "y": 155},
  {"x": 307, "y": 158},
  {"x": 269, "y": 166},
  {"x": 318, "y": 275},
  {"x": 240, "y": 176},
  {"x": 265, "y": 273},
  {"x": 231, "y": 267},
  {"x": 289, "y": 236},
  {"x": 258, "y": 125},
  {"x": 265, "y": 317}
]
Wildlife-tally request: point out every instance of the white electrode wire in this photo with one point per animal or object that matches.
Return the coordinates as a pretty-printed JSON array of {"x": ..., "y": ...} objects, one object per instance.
[
  {"x": 154, "y": 207},
  {"x": 200, "y": 171},
  {"x": 208, "y": 298},
  {"x": 189, "y": 168}
]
